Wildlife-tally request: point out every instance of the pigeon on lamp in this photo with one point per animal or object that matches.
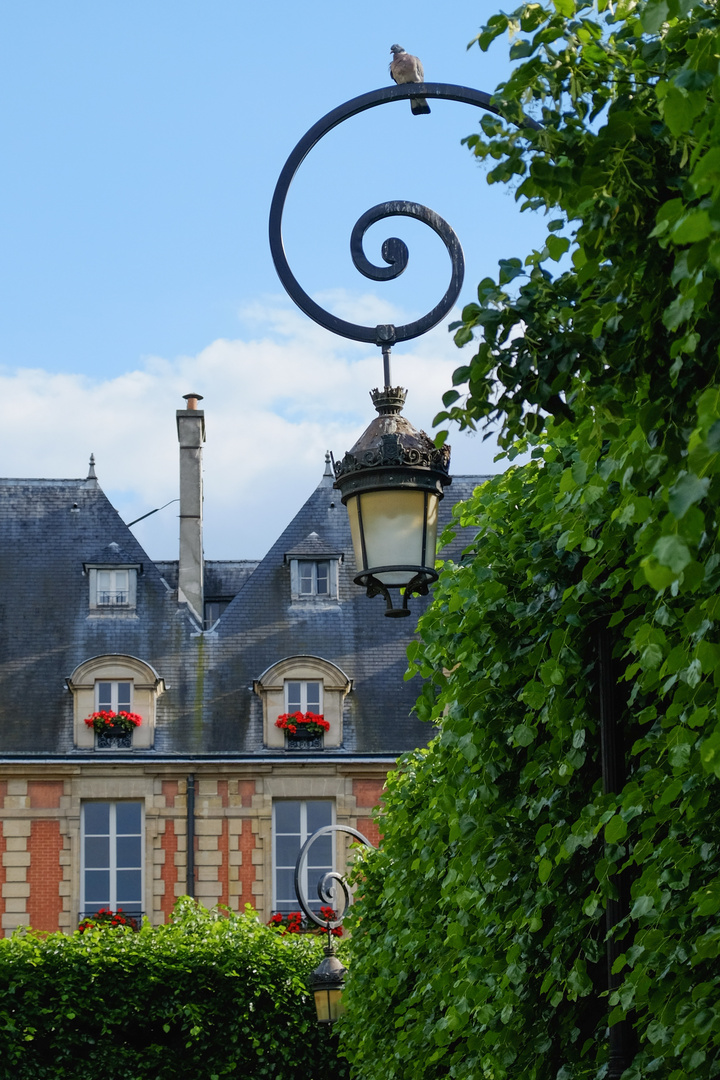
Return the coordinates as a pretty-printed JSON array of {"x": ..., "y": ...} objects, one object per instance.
[{"x": 404, "y": 67}]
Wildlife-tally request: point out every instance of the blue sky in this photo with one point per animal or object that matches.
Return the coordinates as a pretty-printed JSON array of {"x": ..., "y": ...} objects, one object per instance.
[{"x": 142, "y": 142}]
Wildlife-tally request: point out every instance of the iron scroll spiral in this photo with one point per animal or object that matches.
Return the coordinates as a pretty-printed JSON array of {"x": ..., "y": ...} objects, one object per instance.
[
  {"x": 327, "y": 881},
  {"x": 394, "y": 251}
]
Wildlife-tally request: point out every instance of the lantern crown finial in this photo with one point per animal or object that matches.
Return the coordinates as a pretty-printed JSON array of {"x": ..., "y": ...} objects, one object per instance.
[{"x": 389, "y": 401}]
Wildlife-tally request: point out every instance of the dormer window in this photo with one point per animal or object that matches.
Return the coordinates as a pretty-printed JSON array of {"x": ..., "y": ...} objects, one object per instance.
[
  {"x": 115, "y": 683},
  {"x": 314, "y": 577},
  {"x": 115, "y": 696},
  {"x": 113, "y": 588},
  {"x": 302, "y": 684},
  {"x": 303, "y": 696},
  {"x": 313, "y": 570}
]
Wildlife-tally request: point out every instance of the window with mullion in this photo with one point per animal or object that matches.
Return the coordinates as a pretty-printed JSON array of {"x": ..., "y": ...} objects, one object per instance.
[
  {"x": 112, "y": 587},
  {"x": 303, "y": 696},
  {"x": 112, "y": 863},
  {"x": 294, "y": 820},
  {"x": 113, "y": 696},
  {"x": 314, "y": 578}
]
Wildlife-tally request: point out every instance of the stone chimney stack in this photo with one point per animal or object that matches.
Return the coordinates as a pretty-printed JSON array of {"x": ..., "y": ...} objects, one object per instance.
[{"x": 191, "y": 436}]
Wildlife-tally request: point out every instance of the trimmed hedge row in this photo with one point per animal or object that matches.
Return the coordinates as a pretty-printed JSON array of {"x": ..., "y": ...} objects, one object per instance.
[{"x": 205, "y": 996}]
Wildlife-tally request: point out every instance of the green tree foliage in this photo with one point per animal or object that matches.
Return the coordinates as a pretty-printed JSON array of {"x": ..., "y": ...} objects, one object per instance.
[
  {"x": 206, "y": 996},
  {"x": 481, "y": 941}
]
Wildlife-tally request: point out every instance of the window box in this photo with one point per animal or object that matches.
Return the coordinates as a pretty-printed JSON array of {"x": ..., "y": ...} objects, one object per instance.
[
  {"x": 304, "y": 740},
  {"x": 114, "y": 740}
]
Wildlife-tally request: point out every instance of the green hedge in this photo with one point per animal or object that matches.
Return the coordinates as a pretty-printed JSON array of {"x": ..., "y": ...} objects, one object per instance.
[{"x": 203, "y": 997}]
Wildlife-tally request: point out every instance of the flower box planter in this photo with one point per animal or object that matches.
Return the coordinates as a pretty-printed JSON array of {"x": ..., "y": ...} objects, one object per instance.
[
  {"x": 304, "y": 740},
  {"x": 113, "y": 740},
  {"x": 303, "y": 731},
  {"x": 113, "y": 731}
]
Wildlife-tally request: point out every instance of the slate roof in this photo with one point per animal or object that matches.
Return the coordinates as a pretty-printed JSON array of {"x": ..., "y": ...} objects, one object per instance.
[
  {"x": 50, "y": 529},
  {"x": 313, "y": 546}
]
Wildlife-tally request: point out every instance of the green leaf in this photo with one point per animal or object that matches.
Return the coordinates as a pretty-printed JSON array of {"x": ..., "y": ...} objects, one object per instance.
[
  {"x": 644, "y": 905},
  {"x": 557, "y": 246},
  {"x": 524, "y": 735},
  {"x": 710, "y": 753},
  {"x": 615, "y": 830},
  {"x": 672, "y": 551},
  {"x": 707, "y": 899},
  {"x": 695, "y": 226},
  {"x": 654, "y": 15},
  {"x": 688, "y": 490}
]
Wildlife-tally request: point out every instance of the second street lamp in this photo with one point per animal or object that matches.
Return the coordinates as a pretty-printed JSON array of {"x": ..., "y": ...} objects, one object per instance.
[{"x": 327, "y": 981}]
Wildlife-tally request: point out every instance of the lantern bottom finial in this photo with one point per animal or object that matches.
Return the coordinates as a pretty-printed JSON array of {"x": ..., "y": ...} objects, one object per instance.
[{"x": 418, "y": 585}]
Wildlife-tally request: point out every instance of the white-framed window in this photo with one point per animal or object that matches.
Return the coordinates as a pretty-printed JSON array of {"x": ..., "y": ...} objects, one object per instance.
[
  {"x": 294, "y": 820},
  {"x": 112, "y": 588},
  {"x": 303, "y": 695},
  {"x": 112, "y": 857},
  {"x": 314, "y": 578},
  {"x": 113, "y": 695}
]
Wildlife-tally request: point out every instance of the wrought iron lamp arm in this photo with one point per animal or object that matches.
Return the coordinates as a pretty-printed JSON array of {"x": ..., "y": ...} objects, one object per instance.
[
  {"x": 394, "y": 251},
  {"x": 327, "y": 881}
]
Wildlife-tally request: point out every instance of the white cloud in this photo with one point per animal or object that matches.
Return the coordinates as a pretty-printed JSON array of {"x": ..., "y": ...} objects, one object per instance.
[{"x": 274, "y": 400}]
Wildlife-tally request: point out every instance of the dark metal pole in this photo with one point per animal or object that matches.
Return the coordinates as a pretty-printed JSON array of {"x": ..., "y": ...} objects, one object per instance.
[
  {"x": 386, "y": 364},
  {"x": 621, "y": 1048},
  {"x": 190, "y": 884}
]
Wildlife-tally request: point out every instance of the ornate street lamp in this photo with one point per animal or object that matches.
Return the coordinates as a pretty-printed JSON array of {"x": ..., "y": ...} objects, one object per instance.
[
  {"x": 393, "y": 478},
  {"x": 391, "y": 482},
  {"x": 327, "y": 981}
]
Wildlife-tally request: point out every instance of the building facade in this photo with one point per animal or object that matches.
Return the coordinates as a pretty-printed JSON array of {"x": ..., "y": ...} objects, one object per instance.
[{"x": 207, "y": 796}]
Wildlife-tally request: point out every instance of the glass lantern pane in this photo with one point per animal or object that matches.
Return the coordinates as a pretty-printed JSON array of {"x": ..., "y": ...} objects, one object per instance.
[{"x": 393, "y": 524}]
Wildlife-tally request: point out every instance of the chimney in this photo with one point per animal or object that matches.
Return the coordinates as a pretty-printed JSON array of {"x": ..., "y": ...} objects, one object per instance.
[{"x": 191, "y": 436}]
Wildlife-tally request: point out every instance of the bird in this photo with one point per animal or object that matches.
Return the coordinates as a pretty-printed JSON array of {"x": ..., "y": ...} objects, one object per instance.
[{"x": 404, "y": 67}]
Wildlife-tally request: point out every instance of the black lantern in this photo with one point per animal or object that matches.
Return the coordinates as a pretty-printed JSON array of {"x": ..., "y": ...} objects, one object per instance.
[
  {"x": 327, "y": 983},
  {"x": 391, "y": 483}
]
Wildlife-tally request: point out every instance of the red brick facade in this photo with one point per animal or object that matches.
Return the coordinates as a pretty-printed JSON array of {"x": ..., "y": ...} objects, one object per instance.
[
  {"x": 44, "y": 874},
  {"x": 368, "y": 794},
  {"x": 40, "y": 841}
]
